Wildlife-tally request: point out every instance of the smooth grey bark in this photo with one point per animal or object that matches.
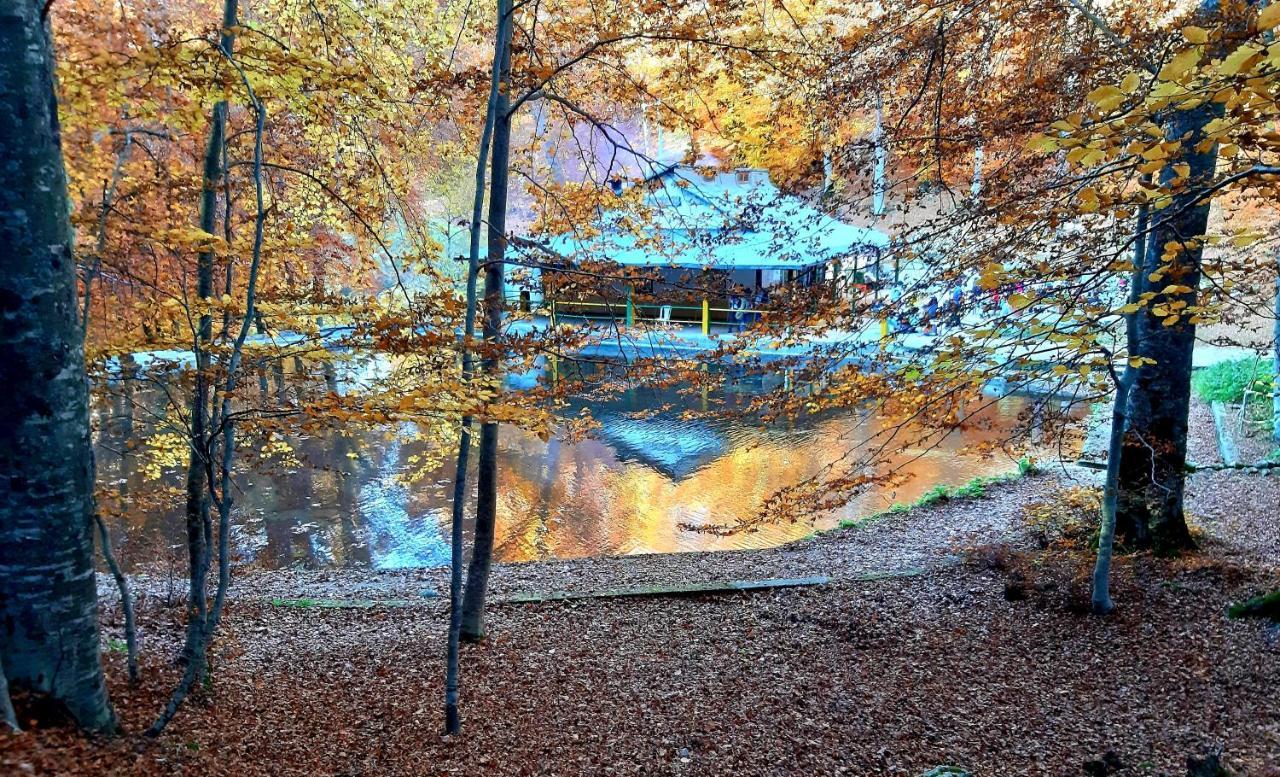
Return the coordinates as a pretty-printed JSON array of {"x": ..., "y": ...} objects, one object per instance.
[
  {"x": 453, "y": 721},
  {"x": 1153, "y": 467},
  {"x": 1101, "y": 600},
  {"x": 48, "y": 596},
  {"x": 494, "y": 292},
  {"x": 1152, "y": 474}
]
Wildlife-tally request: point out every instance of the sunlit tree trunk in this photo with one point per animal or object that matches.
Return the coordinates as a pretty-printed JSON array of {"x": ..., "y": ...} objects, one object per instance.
[
  {"x": 48, "y": 597},
  {"x": 494, "y": 291},
  {"x": 1153, "y": 465}
]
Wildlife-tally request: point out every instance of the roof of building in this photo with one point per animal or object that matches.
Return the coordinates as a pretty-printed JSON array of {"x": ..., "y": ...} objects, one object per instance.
[{"x": 732, "y": 220}]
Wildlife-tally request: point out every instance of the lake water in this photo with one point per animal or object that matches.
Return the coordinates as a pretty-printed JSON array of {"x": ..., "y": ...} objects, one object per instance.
[{"x": 639, "y": 487}]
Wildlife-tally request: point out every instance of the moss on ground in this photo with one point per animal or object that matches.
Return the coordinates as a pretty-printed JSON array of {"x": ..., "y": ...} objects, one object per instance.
[{"x": 1265, "y": 606}]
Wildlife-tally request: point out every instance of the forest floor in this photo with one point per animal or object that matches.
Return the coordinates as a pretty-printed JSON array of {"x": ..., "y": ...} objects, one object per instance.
[{"x": 970, "y": 645}]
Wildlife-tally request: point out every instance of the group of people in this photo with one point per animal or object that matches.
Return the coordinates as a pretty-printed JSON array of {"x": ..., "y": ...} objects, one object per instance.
[
  {"x": 933, "y": 314},
  {"x": 745, "y": 307}
]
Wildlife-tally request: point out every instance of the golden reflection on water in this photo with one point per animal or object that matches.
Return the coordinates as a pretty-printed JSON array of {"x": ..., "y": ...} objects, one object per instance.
[
  {"x": 572, "y": 500},
  {"x": 637, "y": 489}
]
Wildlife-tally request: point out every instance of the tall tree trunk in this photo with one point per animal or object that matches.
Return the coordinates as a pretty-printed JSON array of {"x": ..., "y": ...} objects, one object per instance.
[
  {"x": 199, "y": 523},
  {"x": 1152, "y": 473},
  {"x": 1102, "y": 603},
  {"x": 48, "y": 597},
  {"x": 494, "y": 291},
  {"x": 453, "y": 721}
]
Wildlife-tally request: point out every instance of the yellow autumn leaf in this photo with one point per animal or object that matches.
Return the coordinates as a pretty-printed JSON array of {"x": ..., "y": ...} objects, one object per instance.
[
  {"x": 1155, "y": 153},
  {"x": 1092, "y": 157},
  {"x": 1269, "y": 17},
  {"x": 1106, "y": 97},
  {"x": 1131, "y": 83},
  {"x": 1195, "y": 34},
  {"x": 1042, "y": 143},
  {"x": 1182, "y": 62},
  {"x": 1238, "y": 60}
]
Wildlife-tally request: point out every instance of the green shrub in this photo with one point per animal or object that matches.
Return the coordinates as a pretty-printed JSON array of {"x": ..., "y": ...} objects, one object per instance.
[
  {"x": 1266, "y": 606},
  {"x": 1227, "y": 381}
]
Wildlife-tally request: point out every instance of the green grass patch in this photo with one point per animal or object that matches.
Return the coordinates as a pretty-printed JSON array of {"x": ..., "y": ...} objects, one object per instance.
[
  {"x": 974, "y": 489},
  {"x": 1227, "y": 381}
]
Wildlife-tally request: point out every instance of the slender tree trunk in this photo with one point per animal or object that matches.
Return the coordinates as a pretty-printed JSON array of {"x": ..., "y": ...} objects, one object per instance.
[
  {"x": 8, "y": 715},
  {"x": 277, "y": 376},
  {"x": 1275, "y": 371},
  {"x": 881, "y": 154},
  {"x": 1152, "y": 474},
  {"x": 48, "y": 597},
  {"x": 1102, "y": 603},
  {"x": 126, "y": 598},
  {"x": 453, "y": 721},
  {"x": 224, "y": 498},
  {"x": 198, "y": 518},
  {"x": 494, "y": 291}
]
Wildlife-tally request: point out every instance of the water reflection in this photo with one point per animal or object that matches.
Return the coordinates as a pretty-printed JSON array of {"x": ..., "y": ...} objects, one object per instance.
[{"x": 340, "y": 499}]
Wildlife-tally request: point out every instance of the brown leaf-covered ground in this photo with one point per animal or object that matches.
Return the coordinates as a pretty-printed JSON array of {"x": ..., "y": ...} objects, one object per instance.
[{"x": 891, "y": 676}]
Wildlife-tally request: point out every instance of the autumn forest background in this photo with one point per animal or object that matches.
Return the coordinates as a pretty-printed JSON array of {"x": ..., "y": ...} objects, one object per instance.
[{"x": 571, "y": 387}]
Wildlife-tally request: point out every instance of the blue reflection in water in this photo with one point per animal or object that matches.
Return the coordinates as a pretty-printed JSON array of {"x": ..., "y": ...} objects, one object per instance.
[
  {"x": 397, "y": 540},
  {"x": 675, "y": 448}
]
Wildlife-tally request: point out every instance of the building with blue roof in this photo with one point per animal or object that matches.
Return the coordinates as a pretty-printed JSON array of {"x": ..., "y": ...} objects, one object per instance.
[{"x": 731, "y": 225}]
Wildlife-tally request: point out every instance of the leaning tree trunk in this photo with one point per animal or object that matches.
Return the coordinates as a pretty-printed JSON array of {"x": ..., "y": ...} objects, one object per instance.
[
  {"x": 494, "y": 291},
  {"x": 48, "y": 596},
  {"x": 1153, "y": 465}
]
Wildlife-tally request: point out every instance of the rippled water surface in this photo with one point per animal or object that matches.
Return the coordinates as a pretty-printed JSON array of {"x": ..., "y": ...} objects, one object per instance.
[{"x": 641, "y": 486}]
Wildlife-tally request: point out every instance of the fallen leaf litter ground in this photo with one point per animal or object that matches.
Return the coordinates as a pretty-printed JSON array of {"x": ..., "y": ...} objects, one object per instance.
[{"x": 930, "y": 665}]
